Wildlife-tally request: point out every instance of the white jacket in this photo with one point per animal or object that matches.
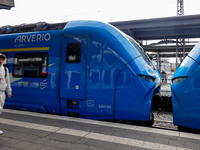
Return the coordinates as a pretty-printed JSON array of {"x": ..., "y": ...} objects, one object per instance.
[{"x": 4, "y": 82}]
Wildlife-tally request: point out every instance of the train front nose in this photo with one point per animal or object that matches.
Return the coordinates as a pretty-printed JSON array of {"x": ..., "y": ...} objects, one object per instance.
[
  {"x": 133, "y": 100},
  {"x": 185, "y": 88}
]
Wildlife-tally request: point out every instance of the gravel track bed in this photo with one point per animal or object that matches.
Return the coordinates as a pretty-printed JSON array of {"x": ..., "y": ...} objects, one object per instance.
[{"x": 164, "y": 120}]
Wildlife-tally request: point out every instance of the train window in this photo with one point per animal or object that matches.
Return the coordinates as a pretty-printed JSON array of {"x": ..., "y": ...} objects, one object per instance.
[
  {"x": 138, "y": 48},
  {"x": 5, "y": 63},
  {"x": 73, "y": 53},
  {"x": 32, "y": 65}
]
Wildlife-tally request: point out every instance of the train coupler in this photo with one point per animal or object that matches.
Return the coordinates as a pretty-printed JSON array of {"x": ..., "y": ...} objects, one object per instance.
[{"x": 162, "y": 103}]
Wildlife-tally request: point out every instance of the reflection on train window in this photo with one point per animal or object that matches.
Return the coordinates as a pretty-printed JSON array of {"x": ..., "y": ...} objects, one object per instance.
[
  {"x": 120, "y": 81},
  {"x": 34, "y": 65},
  {"x": 125, "y": 80},
  {"x": 73, "y": 53},
  {"x": 95, "y": 77},
  {"x": 5, "y": 63},
  {"x": 128, "y": 80},
  {"x": 107, "y": 77},
  {"x": 196, "y": 82},
  {"x": 116, "y": 72}
]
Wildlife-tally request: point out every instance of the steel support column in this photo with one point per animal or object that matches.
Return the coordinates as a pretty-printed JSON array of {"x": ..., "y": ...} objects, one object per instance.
[
  {"x": 180, "y": 8},
  {"x": 158, "y": 61},
  {"x": 180, "y": 51}
]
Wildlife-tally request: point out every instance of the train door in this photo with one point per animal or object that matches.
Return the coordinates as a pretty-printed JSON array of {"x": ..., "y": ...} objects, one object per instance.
[{"x": 72, "y": 75}]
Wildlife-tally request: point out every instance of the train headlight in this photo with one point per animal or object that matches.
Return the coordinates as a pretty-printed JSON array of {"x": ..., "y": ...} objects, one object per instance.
[
  {"x": 74, "y": 103},
  {"x": 178, "y": 80},
  {"x": 147, "y": 78}
]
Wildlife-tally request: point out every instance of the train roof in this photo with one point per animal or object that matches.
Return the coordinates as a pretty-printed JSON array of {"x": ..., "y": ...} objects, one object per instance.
[
  {"x": 66, "y": 26},
  {"x": 40, "y": 26}
]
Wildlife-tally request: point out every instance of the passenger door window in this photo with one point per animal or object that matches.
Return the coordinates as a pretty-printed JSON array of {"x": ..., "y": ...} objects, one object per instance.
[{"x": 73, "y": 53}]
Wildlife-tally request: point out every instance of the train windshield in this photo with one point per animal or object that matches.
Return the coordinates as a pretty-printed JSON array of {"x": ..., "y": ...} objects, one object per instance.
[{"x": 139, "y": 49}]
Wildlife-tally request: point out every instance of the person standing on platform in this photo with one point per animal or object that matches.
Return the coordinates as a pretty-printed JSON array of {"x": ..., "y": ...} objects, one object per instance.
[{"x": 4, "y": 83}]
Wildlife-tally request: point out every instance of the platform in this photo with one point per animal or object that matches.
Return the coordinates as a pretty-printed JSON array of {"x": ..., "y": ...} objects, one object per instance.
[{"x": 36, "y": 131}]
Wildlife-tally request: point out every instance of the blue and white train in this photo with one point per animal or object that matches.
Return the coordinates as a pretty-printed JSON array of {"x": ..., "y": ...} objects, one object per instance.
[{"x": 84, "y": 69}]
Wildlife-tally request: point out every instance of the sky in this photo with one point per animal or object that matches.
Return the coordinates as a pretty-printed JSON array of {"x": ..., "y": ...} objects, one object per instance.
[{"x": 55, "y": 11}]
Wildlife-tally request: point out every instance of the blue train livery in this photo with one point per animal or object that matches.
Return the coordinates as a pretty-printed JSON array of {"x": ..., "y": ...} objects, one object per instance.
[
  {"x": 86, "y": 69},
  {"x": 185, "y": 88}
]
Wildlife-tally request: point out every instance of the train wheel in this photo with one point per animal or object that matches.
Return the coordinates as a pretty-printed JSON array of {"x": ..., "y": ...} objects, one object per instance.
[{"x": 151, "y": 122}]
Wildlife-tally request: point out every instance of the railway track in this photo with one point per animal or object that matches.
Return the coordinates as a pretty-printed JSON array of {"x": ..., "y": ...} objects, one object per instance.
[{"x": 164, "y": 120}]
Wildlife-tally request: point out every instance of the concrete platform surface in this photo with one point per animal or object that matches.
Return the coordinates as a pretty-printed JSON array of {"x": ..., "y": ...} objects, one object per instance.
[{"x": 25, "y": 130}]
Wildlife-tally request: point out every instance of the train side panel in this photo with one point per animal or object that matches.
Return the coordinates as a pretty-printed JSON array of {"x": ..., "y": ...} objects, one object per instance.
[
  {"x": 106, "y": 56},
  {"x": 103, "y": 66},
  {"x": 33, "y": 62},
  {"x": 89, "y": 69},
  {"x": 108, "y": 52}
]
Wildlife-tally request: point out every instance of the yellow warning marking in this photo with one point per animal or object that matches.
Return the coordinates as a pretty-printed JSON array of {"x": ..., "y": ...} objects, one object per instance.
[{"x": 25, "y": 49}]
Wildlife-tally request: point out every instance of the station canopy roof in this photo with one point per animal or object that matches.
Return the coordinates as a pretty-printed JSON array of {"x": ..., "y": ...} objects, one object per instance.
[
  {"x": 167, "y": 30},
  {"x": 6, "y": 4},
  {"x": 162, "y": 28}
]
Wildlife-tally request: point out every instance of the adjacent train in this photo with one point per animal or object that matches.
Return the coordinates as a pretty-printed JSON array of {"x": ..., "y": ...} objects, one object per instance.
[
  {"x": 185, "y": 88},
  {"x": 86, "y": 69}
]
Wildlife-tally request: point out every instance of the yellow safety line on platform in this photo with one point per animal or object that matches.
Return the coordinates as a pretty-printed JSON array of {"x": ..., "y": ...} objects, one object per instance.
[{"x": 25, "y": 49}]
